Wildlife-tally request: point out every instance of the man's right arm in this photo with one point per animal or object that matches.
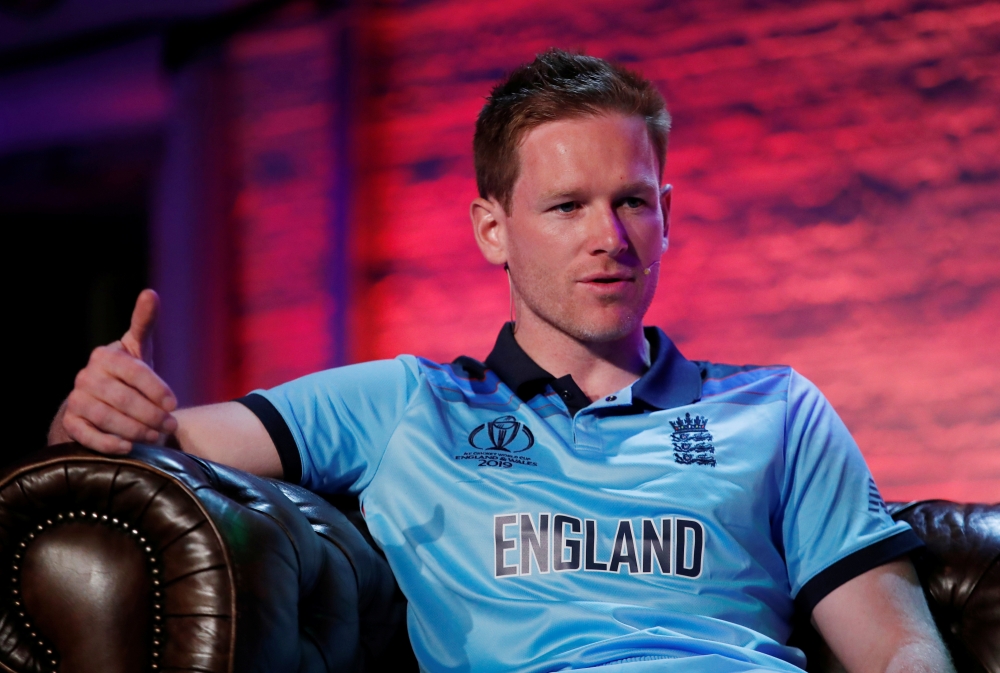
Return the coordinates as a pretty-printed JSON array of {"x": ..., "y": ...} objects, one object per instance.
[
  {"x": 118, "y": 399},
  {"x": 231, "y": 434}
]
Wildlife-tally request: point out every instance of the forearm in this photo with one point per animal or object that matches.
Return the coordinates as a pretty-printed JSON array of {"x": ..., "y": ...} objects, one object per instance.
[
  {"x": 226, "y": 433},
  {"x": 921, "y": 657},
  {"x": 879, "y": 622}
]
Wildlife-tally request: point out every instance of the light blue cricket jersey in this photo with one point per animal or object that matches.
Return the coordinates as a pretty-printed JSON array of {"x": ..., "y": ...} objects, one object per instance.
[{"x": 668, "y": 527}]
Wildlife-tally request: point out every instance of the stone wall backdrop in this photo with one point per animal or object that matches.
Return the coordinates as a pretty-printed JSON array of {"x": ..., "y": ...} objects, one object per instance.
[
  {"x": 837, "y": 204},
  {"x": 284, "y": 82},
  {"x": 836, "y": 166}
]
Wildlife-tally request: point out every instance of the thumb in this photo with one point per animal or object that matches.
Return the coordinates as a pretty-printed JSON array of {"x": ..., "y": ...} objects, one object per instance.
[{"x": 138, "y": 340}]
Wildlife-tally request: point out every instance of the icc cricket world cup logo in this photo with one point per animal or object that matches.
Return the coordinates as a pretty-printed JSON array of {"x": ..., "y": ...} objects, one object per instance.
[{"x": 504, "y": 433}]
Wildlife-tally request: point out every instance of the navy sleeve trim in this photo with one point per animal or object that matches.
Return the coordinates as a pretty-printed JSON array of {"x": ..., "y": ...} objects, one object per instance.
[
  {"x": 853, "y": 565},
  {"x": 284, "y": 442}
]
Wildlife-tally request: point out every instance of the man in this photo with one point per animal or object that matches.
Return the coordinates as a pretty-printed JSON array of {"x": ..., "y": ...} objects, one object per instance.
[{"x": 587, "y": 497}]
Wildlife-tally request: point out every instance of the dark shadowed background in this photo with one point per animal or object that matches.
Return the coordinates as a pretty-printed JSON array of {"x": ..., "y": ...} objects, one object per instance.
[{"x": 294, "y": 179}]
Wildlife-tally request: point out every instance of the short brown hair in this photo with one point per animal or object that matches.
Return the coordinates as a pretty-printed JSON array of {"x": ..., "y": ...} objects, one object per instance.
[{"x": 557, "y": 85}]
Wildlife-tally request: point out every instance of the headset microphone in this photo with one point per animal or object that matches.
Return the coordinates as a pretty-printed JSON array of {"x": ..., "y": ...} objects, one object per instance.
[{"x": 666, "y": 244}]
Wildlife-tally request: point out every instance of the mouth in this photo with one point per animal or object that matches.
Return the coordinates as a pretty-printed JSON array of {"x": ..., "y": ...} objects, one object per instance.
[{"x": 608, "y": 278}]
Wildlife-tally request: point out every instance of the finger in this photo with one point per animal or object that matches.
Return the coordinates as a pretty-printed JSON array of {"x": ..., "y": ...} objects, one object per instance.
[
  {"x": 130, "y": 371},
  {"x": 83, "y": 432},
  {"x": 129, "y": 401},
  {"x": 109, "y": 420},
  {"x": 138, "y": 340}
]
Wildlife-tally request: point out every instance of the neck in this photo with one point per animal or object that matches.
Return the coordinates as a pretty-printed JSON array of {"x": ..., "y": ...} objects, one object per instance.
[{"x": 599, "y": 368}]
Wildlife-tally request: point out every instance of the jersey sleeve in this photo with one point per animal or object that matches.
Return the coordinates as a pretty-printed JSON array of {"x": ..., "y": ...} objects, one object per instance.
[
  {"x": 835, "y": 525},
  {"x": 331, "y": 428}
]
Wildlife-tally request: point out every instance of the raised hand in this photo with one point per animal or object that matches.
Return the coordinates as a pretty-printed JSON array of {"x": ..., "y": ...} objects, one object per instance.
[{"x": 117, "y": 398}]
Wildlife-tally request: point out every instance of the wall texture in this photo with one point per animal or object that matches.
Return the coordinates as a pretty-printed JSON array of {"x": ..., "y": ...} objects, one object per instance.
[
  {"x": 836, "y": 166},
  {"x": 286, "y": 187},
  {"x": 837, "y": 198},
  {"x": 284, "y": 84},
  {"x": 837, "y": 204}
]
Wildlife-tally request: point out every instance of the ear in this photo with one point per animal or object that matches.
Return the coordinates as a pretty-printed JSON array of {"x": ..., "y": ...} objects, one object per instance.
[
  {"x": 489, "y": 224},
  {"x": 666, "y": 196}
]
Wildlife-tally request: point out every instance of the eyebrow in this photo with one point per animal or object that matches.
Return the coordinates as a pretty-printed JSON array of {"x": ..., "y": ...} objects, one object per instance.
[
  {"x": 561, "y": 196},
  {"x": 631, "y": 187},
  {"x": 640, "y": 185}
]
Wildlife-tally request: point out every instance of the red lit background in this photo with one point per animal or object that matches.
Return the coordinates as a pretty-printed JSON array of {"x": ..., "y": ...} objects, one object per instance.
[{"x": 836, "y": 167}]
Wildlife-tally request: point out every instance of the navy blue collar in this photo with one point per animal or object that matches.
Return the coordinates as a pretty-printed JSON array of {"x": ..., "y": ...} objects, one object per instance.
[{"x": 671, "y": 381}]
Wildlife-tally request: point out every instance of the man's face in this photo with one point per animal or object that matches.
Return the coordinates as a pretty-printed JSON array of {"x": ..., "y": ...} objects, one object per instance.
[{"x": 586, "y": 220}]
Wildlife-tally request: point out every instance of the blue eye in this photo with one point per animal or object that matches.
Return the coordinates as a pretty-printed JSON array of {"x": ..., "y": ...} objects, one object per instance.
[
  {"x": 634, "y": 202},
  {"x": 567, "y": 207}
]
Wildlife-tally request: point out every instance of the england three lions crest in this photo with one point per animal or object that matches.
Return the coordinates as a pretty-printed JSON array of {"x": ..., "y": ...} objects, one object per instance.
[{"x": 692, "y": 441}]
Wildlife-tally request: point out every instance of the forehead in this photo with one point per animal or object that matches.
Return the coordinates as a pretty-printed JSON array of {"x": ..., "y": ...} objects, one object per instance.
[{"x": 586, "y": 151}]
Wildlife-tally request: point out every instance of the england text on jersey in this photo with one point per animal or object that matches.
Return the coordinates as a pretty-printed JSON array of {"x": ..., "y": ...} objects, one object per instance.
[{"x": 562, "y": 542}]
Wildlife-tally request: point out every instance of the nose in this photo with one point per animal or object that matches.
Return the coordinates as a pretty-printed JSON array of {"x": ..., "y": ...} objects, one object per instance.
[{"x": 608, "y": 234}]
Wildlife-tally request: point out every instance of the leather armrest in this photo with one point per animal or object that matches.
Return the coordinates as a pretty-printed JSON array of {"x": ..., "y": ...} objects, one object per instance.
[
  {"x": 160, "y": 560},
  {"x": 960, "y": 572}
]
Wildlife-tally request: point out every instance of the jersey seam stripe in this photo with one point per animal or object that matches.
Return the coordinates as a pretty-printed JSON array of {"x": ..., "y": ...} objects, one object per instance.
[
  {"x": 505, "y": 403},
  {"x": 786, "y": 476},
  {"x": 737, "y": 391},
  {"x": 421, "y": 378},
  {"x": 776, "y": 368},
  {"x": 441, "y": 386}
]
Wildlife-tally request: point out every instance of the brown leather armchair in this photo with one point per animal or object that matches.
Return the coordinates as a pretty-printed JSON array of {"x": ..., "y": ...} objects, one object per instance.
[{"x": 159, "y": 561}]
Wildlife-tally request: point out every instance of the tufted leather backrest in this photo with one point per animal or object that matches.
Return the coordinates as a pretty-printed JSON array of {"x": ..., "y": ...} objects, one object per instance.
[{"x": 163, "y": 558}]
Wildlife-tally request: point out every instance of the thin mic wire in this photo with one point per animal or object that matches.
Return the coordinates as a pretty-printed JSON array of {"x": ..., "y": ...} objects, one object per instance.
[{"x": 510, "y": 293}]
